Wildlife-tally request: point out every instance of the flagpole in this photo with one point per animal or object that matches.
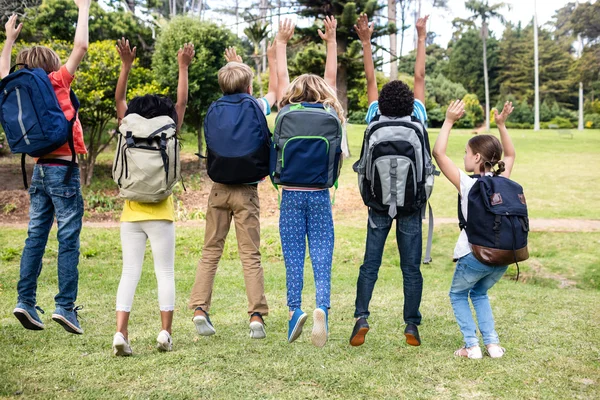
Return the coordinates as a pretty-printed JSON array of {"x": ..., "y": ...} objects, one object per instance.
[{"x": 536, "y": 125}]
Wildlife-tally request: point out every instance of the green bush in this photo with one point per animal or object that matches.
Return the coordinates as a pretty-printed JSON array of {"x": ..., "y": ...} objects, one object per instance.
[
  {"x": 519, "y": 125},
  {"x": 4, "y": 150},
  {"x": 357, "y": 117},
  {"x": 563, "y": 123},
  {"x": 592, "y": 121}
]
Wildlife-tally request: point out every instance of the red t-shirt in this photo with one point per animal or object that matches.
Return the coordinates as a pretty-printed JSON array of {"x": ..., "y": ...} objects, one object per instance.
[{"x": 61, "y": 82}]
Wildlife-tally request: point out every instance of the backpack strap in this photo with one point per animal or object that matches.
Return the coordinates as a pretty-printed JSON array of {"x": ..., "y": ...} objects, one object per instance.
[
  {"x": 24, "y": 171},
  {"x": 14, "y": 67},
  {"x": 428, "y": 258},
  {"x": 393, "y": 210},
  {"x": 76, "y": 104}
]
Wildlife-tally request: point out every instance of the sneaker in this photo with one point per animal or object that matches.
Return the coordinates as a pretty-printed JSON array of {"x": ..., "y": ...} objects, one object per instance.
[
  {"x": 203, "y": 325},
  {"x": 164, "y": 341},
  {"x": 295, "y": 324},
  {"x": 257, "y": 326},
  {"x": 121, "y": 346},
  {"x": 469, "y": 352},
  {"x": 28, "y": 316},
  {"x": 412, "y": 335},
  {"x": 495, "y": 351},
  {"x": 361, "y": 327},
  {"x": 320, "y": 327},
  {"x": 68, "y": 319}
]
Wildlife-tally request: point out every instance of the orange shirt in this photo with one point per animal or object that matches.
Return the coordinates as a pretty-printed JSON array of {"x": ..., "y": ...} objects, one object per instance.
[{"x": 61, "y": 82}]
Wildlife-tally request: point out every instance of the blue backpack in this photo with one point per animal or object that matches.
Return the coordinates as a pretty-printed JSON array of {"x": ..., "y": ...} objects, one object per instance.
[
  {"x": 31, "y": 116},
  {"x": 237, "y": 140},
  {"x": 306, "y": 149},
  {"x": 498, "y": 222}
]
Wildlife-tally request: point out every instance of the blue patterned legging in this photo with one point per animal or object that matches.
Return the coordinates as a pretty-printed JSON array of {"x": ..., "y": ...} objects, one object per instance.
[{"x": 306, "y": 214}]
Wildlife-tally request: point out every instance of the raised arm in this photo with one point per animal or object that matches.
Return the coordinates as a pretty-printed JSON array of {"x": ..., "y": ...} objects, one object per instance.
[
  {"x": 184, "y": 59},
  {"x": 12, "y": 33},
  {"x": 81, "y": 41},
  {"x": 330, "y": 39},
  {"x": 449, "y": 169},
  {"x": 286, "y": 31},
  {"x": 364, "y": 29},
  {"x": 232, "y": 55},
  {"x": 127, "y": 56},
  {"x": 271, "y": 95},
  {"x": 420, "y": 61},
  {"x": 507, "y": 144}
]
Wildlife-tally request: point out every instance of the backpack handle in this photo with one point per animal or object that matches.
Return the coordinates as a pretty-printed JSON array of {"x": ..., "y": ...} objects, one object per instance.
[{"x": 15, "y": 67}]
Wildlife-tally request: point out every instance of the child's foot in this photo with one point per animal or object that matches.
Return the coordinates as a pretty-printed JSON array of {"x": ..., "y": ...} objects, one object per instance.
[
  {"x": 203, "y": 325},
  {"x": 469, "y": 352},
  {"x": 412, "y": 335},
  {"x": 164, "y": 341},
  {"x": 295, "y": 324},
  {"x": 495, "y": 351},
  {"x": 257, "y": 326},
  {"x": 121, "y": 345},
  {"x": 361, "y": 327},
  {"x": 28, "y": 316},
  {"x": 320, "y": 331},
  {"x": 68, "y": 319}
]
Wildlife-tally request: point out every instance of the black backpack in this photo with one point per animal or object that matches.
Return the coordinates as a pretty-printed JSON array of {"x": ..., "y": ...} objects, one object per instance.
[{"x": 498, "y": 222}]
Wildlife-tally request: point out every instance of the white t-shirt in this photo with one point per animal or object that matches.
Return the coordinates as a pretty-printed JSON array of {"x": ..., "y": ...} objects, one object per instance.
[{"x": 463, "y": 247}]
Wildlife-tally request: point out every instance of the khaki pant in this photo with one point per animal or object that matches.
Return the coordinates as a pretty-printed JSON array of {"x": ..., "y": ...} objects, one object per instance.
[{"x": 241, "y": 203}]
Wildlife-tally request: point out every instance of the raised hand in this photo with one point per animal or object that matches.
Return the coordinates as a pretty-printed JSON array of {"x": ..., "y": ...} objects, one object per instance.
[
  {"x": 422, "y": 27},
  {"x": 231, "y": 55},
  {"x": 126, "y": 53},
  {"x": 186, "y": 54},
  {"x": 12, "y": 32},
  {"x": 82, "y": 3},
  {"x": 330, "y": 27},
  {"x": 364, "y": 29},
  {"x": 271, "y": 49},
  {"x": 503, "y": 116},
  {"x": 455, "y": 111},
  {"x": 286, "y": 31}
]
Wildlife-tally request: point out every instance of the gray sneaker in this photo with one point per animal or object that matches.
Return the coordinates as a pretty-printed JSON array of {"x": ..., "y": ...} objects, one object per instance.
[
  {"x": 68, "y": 319},
  {"x": 121, "y": 346},
  {"x": 28, "y": 316}
]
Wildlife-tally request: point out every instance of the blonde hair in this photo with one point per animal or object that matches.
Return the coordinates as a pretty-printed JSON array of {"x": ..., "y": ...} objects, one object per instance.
[
  {"x": 39, "y": 57},
  {"x": 312, "y": 89},
  {"x": 235, "y": 77}
]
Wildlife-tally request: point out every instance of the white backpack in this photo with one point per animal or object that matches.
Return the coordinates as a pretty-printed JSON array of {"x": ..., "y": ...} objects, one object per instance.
[{"x": 146, "y": 165}]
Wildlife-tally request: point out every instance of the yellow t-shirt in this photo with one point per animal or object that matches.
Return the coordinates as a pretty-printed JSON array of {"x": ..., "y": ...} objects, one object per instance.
[{"x": 134, "y": 211}]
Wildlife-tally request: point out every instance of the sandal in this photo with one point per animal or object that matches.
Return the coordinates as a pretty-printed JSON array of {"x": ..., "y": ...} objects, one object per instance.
[
  {"x": 469, "y": 352},
  {"x": 495, "y": 350}
]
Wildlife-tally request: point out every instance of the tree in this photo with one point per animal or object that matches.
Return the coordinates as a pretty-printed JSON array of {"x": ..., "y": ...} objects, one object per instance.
[
  {"x": 346, "y": 12},
  {"x": 210, "y": 42},
  {"x": 465, "y": 63},
  {"x": 257, "y": 32},
  {"x": 483, "y": 12}
]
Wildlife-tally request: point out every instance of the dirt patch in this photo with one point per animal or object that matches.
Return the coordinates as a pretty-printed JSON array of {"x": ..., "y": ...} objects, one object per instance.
[{"x": 538, "y": 271}]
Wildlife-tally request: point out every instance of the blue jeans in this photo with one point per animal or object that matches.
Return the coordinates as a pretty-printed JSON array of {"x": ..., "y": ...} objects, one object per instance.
[
  {"x": 307, "y": 214},
  {"x": 473, "y": 278},
  {"x": 49, "y": 197},
  {"x": 409, "y": 240}
]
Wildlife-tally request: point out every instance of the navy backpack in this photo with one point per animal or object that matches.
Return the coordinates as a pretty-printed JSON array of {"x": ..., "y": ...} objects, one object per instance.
[
  {"x": 237, "y": 140},
  {"x": 31, "y": 116},
  {"x": 498, "y": 222}
]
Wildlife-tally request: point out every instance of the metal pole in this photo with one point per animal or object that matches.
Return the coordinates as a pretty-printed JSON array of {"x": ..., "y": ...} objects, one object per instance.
[{"x": 536, "y": 125}]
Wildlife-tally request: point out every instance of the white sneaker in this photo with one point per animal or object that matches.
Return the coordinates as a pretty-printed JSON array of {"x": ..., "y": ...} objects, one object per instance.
[
  {"x": 203, "y": 325},
  {"x": 469, "y": 352},
  {"x": 257, "y": 329},
  {"x": 164, "y": 341},
  {"x": 495, "y": 351},
  {"x": 121, "y": 345}
]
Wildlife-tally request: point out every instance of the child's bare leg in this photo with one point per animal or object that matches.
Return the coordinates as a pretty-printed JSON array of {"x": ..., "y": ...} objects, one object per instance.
[{"x": 122, "y": 322}]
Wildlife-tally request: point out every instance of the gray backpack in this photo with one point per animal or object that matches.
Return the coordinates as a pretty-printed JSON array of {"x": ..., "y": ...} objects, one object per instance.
[
  {"x": 395, "y": 170},
  {"x": 146, "y": 165},
  {"x": 306, "y": 149}
]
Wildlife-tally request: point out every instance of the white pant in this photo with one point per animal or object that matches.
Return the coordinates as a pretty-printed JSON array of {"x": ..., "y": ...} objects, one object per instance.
[{"x": 133, "y": 242}]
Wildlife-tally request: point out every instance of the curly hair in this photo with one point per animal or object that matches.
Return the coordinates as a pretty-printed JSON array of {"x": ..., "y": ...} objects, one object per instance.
[
  {"x": 396, "y": 99},
  {"x": 152, "y": 105}
]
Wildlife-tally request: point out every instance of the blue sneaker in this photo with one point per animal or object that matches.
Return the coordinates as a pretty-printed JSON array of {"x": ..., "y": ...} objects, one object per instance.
[
  {"x": 295, "y": 324},
  {"x": 320, "y": 327},
  {"x": 68, "y": 319},
  {"x": 28, "y": 316}
]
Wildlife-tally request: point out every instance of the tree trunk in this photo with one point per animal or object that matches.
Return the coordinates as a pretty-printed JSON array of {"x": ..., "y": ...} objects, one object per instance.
[
  {"x": 393, "y": 41},
  {"x": 342, "y": 73},
  {"x": 131, "y": 5},
  {"x": 485, "y": 77},
  {"x": 258, "y": 73}
]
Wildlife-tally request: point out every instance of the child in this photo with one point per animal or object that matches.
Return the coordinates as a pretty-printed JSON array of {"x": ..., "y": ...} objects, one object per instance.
[
  {"x": 49, "y": 195},
  {"x": 237, "y": 201},
  {"x": 471, "y": 277},
  {"x": 306, "y": 212},
  {"x": 154, "y": 221},
  {"x": 395, "y": 102}
]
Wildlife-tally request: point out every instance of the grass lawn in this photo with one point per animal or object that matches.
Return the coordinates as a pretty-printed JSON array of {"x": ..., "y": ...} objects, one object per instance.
[{"x": 552, "y": 334}]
